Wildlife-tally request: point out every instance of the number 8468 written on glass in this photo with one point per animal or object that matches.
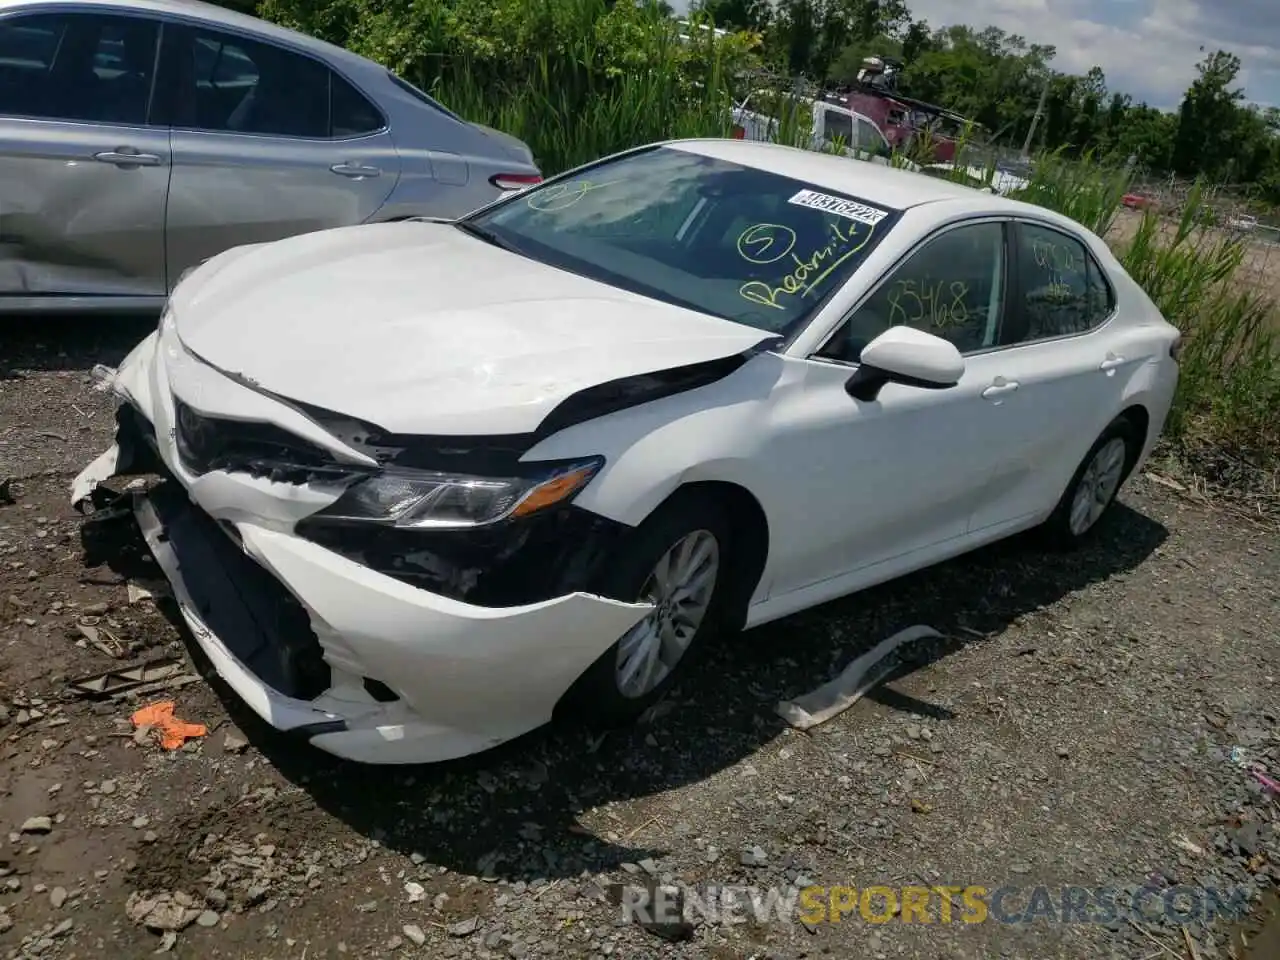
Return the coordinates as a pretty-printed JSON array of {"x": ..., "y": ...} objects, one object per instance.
[{"x": 918, "y": 303}]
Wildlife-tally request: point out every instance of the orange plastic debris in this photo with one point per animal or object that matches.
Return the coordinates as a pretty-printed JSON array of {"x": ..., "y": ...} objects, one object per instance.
[{"x": 173, "y": 732}]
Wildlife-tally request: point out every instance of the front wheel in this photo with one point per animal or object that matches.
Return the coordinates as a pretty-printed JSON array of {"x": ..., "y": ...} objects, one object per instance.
[
  {"x": 677, "y": 560},
  {"x": 1094, "y": 486}
]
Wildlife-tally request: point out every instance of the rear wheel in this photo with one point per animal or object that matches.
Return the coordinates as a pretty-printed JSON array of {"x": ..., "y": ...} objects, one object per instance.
[
  {"x": 677, "y": 560},
  {"x": 1095, "y": 485}
]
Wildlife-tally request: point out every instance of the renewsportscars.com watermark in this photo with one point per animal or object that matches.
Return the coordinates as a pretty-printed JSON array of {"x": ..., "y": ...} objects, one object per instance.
[{"x": 655, "y": 904}]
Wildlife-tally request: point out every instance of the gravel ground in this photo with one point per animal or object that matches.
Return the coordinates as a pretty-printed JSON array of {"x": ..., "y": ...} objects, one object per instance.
[{"x": 1076, "y": 728}]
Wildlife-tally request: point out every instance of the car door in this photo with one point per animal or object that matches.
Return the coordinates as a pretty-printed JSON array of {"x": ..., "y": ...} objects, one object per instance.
[
  {"x": 877, "y": 480},
  {"x": 1057, "y": 379},
  {"x": 268, "y": 142},
  {"x": 83, "y": 175}
]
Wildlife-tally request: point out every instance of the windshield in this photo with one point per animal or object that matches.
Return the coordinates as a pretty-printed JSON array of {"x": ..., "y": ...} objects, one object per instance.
[{"x": 736, "y": 242}]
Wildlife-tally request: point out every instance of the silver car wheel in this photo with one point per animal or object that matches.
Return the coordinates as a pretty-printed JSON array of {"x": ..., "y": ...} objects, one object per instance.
[
  {"x": 1098, "y": 485},
  {"x": 680, "y": 587}
]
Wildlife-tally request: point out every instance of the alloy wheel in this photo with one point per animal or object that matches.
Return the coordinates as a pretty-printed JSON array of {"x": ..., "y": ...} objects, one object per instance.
[
  {"x": 680, "y": 587},
  {"x": 1098, "y": 485}
]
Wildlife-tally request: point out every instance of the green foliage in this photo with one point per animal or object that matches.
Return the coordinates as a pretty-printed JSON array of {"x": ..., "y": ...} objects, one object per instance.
[
  {"x": 1229, "y": 392},
  {"x": 1087, "y": 192},
  {"x": 997, "y": 79},
  {"x": 489, "y": 49},
  {"x": 576, "y": 79}
]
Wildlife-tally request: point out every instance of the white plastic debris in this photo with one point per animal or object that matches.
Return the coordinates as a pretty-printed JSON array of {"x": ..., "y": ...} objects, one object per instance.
[
  {"x": 863, "y": 674},
  {"x": 103, "y": 377}
]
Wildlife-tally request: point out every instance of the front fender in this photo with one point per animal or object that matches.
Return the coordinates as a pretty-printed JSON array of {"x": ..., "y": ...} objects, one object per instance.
[{"x": 717, "y": 432}]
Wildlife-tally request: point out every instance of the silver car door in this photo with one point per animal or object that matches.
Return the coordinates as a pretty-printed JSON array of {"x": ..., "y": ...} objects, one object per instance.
[
  {"x": 83, "y": 178},
  {"x": 268, "y": 142}
]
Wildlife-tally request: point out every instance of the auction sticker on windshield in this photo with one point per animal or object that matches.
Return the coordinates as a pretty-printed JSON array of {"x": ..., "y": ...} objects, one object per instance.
[{"x": 839, "y": 206}]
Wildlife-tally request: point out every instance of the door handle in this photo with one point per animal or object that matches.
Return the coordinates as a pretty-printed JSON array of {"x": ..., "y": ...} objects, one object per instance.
[
  {"x": 127, "y": 157},
  {"x": 1108, "y": 365},
  {"x": 1001, "y": 388},
  {"x": 355, "y": 170}
]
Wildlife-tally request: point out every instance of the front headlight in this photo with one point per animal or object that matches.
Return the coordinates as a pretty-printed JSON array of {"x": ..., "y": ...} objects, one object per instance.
[{"x": 418, "y": 499}]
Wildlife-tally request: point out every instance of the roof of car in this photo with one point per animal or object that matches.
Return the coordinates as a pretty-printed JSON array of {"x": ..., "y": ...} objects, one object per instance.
[
  {"x": 870, "y": 181},
  {"x": 210, "y": 13}
]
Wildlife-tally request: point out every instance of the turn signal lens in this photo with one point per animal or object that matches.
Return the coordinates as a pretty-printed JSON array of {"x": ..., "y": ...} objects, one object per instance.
[{"x": 555, "y": 490}]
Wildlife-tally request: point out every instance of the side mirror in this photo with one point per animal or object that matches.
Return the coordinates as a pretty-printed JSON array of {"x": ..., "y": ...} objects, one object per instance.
[{"x": 908, "y": 356}]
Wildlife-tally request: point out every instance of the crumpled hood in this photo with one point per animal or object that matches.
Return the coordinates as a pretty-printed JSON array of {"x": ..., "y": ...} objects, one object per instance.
[{"x": 419, "y": 328}]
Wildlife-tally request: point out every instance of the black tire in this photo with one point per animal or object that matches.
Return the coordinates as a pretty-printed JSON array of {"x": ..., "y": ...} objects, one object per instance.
[
  {"x": 595, "y": 698},
  {"x": 1058, "y": 529}
]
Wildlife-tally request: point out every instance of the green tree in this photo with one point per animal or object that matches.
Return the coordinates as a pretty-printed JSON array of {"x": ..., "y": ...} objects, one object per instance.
[
  {"x": 1207, "y": 119},
  {"x": 738, "y": 14}
]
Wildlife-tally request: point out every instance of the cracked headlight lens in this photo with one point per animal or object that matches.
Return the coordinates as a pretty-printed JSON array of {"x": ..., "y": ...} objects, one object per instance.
[{"x": 418, "y": 499}]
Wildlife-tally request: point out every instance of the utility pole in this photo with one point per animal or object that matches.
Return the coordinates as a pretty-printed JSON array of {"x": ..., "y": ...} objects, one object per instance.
[{"x": 1044, "y": 93}]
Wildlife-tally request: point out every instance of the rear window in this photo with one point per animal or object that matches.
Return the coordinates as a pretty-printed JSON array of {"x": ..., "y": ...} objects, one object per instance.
[
  {"x": 737, "y": 242},
  {"x": 417, "y": 94}
]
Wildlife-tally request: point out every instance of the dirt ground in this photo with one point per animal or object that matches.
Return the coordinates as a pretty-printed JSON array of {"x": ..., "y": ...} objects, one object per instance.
[
  {"x": 1076, "y": 728},
  {"x": 1260, "y": 268}
]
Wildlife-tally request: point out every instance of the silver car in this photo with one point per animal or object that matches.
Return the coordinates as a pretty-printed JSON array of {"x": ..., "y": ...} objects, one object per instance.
[{"x": 139, "y": 137}]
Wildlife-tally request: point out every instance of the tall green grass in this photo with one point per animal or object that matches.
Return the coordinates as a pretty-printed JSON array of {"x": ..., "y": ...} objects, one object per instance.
[
  {"x": 572, "y": 101},
  {"x": 567, "y": 126},
  {"x": 1229, "y": 395},
  {"x": 1085, "y": 191}
]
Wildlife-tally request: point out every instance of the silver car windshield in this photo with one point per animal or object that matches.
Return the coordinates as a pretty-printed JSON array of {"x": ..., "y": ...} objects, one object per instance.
[{"x": 729, "y": 240}]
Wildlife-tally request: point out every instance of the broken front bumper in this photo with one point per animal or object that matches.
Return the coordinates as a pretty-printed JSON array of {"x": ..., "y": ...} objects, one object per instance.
[{"x": 365, "y": 666}]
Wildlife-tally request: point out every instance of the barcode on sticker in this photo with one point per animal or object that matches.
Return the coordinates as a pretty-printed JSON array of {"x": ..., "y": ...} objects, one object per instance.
[{"x": 839, "y": 206}]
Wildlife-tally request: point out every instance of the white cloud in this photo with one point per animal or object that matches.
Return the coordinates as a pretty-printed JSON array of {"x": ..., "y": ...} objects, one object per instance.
[{"x": 1147, "y": 48}]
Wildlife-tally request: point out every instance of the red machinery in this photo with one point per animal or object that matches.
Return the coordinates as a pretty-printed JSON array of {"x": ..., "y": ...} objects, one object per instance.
[{"x": 902, "y": 119}]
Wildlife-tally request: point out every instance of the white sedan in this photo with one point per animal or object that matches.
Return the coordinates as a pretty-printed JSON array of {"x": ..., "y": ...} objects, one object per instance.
[{"x": 428, "y": 483}]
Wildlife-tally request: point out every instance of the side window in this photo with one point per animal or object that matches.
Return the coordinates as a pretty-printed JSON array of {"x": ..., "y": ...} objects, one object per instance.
[
  {"x": 836, "y": 124},
  {"x": 418, "y": 95},
  {"x": 82, "y": 67},
  {"x": 952, "y": 287},
  {"x": 869, "y": 139},
  {"x": 1061, "y": 288},
  {"x": 243, "y": 86},
  {"x": 351, "y": 115}
]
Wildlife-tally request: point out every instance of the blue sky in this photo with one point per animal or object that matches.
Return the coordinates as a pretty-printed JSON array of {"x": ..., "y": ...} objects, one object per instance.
[{"x": 1147, "y": 48}]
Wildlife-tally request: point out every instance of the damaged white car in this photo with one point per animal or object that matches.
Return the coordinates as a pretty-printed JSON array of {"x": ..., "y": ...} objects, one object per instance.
[{"x": 425, "y": 484}]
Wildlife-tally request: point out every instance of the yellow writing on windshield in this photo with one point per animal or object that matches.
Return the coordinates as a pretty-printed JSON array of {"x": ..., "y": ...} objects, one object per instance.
[
  {"x": 561, "y": 196},
  {"x": 939, "y": 305},
  {"x": 809, "y": 270},
  {"x": 766, "y": 243}
]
